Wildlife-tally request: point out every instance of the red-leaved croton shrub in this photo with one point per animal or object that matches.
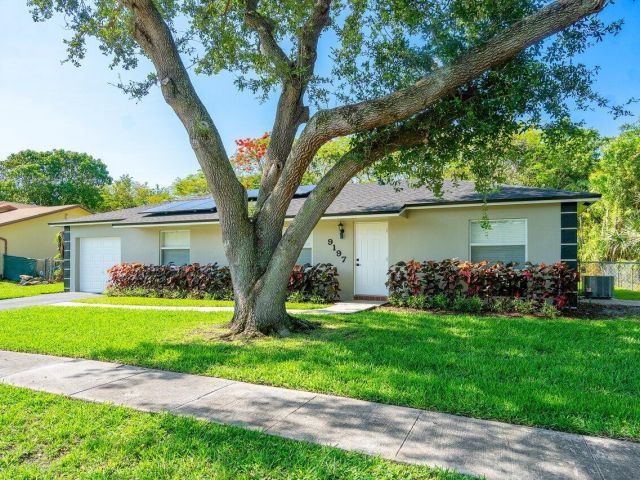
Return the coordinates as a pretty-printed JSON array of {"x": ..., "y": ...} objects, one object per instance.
[
  {"x": 317, "y": 283},
  {"x": 195, "y": 280},
  {"x": 541, "y": 283},
  {"x": 312, "y": 282}
]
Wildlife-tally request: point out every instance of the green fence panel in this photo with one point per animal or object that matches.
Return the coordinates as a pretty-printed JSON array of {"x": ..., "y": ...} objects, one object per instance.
[{"x": 16, "y": 266}]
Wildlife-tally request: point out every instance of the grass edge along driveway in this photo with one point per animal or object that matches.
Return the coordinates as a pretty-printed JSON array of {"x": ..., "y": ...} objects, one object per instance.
[
  {"x": 184, "y": 302},
  {"x": 46, "y": 435},
  {"x": 572, "y": 375},
  {"x": 13, "y": 290}
]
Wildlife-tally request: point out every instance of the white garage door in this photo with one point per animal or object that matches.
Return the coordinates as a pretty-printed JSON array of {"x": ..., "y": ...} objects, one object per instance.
[{"x": 96, "y": 256}]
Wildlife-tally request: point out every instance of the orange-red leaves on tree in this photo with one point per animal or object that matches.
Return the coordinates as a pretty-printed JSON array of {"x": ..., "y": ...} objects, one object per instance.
[{"x": 249, "y": 153}]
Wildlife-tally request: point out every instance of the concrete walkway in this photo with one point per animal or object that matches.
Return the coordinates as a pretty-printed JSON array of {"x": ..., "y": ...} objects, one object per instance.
[
  {"x": 337, "y": 308},
  {"x": 44, "y": 299},
  {"x": 493, "y": 449},
  {"x": 612, "y": 302}
]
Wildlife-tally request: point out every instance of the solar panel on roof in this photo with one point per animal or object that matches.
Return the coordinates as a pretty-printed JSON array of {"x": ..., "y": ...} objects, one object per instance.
[
  {"x": 252, "y": 194},
  {"x": 304, "y": 190},
  {"x": 208, "y": 204},
  {"x": 201, "y": 204}
]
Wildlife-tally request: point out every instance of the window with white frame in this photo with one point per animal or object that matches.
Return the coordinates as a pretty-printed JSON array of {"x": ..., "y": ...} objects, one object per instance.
[
  {"x": 175, "y": 247},
  {"x": 504, "y": 241}
]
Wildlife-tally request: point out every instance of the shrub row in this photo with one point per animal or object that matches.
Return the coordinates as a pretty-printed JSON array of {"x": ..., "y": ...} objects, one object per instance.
[
  {"x": 473, "y": 304},
  {"x": 315, "y": 283},
  {"x": 541, "y": 284}
]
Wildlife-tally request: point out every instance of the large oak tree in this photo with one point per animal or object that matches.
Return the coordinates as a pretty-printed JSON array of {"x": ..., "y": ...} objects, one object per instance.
[{"x": 416, "y": 84}]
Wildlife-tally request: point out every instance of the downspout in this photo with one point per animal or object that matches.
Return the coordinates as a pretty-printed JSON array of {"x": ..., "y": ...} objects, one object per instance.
[{"x": 6, "y": 246}]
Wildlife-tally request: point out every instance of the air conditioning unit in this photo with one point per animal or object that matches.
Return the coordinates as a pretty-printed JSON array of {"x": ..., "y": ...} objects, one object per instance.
[{"x": 598, "y": 286}]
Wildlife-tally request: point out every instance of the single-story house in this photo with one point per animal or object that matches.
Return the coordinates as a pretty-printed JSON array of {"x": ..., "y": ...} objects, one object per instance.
[
  {"x": 25, "y": 231},
  {"x": 365, "y": 230}
]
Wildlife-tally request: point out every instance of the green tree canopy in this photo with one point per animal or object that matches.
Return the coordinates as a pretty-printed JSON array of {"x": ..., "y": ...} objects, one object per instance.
[
  {"x": 125, "y": 192},
  {"x": 612, "y": 225},
  {"x": 562, "y": 157},
  {"x": 57, "y": 177},
  {"x": 190, "y": 185}
]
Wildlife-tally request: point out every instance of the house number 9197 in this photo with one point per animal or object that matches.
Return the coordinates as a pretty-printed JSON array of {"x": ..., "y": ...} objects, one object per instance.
[{"x": 338, "y": 252}]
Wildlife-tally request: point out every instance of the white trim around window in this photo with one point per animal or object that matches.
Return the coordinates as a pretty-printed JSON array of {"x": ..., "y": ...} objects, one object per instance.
[
  {"x": 175, "y": 247},
  {"x": 503, "y": 238}
]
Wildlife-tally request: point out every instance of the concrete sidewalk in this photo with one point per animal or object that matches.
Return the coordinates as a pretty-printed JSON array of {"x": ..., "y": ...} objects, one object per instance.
[
  {"x": 612, "y": 302},
  {"x": 493, "y": 449},
  {"x": 44, "y": 299},
  {"x": 337, "y": 308}
]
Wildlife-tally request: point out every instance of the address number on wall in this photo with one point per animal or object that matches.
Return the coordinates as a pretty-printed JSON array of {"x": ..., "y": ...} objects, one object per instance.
[{"x": 338, "y": 252}]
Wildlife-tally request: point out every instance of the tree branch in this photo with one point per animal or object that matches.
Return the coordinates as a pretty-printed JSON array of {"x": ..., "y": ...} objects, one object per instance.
[
  {"x": 308, "y": 40},
  {"x": 264, "y": 29},
  {"x": 505, "y": 45},
  {"x": 155, "y": 38},
  {"x": 290, "y": 114},
  {"x": 412, "y": 134},
  {"x": 404, "y": 103}
]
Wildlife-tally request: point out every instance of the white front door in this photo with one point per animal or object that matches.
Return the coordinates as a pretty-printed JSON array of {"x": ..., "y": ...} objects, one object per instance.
[
  {"x": 97, "y": 255},
  {"x": 372, "y": 258}
]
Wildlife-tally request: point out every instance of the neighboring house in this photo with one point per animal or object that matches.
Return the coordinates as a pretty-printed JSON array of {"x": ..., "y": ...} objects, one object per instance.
[
  {"x": 366, "y": 229},
  {"x": 25, "y": 230}
]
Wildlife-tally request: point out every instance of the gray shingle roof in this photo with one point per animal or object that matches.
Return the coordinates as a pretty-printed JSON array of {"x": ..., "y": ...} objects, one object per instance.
[{"x": 360, "y": 199}]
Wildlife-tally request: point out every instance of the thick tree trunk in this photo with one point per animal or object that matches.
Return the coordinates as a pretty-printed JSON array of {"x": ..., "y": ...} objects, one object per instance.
[{"x": 260, "y": 310}]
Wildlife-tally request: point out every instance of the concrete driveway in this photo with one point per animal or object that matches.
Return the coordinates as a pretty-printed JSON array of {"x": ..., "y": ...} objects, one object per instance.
[{"x": 44, "y": 299}]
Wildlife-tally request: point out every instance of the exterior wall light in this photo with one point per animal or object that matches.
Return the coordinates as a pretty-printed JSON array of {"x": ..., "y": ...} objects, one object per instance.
[{"x": 341, "y": 230}]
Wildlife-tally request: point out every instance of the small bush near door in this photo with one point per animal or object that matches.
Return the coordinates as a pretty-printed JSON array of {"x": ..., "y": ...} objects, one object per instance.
[
  {"x": 471, "y": 287},
  {"x": 308, "y": 283}
]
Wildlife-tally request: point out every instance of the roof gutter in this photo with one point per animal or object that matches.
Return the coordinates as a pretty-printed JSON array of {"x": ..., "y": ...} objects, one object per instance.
[
  {"x": 372, "y": 214},
  {"x": 68, "y": 224},
  {"x": 215, "y": 222},
  {"x": 500, "y": 202}
]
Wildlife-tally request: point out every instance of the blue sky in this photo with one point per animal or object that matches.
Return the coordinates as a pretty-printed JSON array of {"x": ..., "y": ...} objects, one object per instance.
[{"x": 46, "y": 104}]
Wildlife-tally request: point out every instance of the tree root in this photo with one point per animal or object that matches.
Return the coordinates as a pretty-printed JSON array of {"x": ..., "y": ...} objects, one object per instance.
[{"x": 293, "y": 325}]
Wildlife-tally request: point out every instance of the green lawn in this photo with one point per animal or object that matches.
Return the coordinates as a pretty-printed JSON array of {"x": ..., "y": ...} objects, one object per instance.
[
  {"x": 573, "y": 375},
  {"x": 49, "y": 436},
  {"x": 13, "y": 290},
  {"x": 184, "y": 302},
  {"x": 623, "y": 294}
]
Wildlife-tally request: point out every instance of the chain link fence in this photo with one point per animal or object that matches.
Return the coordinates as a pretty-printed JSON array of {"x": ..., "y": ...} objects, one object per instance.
[{"x": 626, "y": 274}]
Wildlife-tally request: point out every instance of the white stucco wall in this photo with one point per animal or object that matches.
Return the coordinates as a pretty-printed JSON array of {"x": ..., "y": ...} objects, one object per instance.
[{"x": 424, "y": 234}]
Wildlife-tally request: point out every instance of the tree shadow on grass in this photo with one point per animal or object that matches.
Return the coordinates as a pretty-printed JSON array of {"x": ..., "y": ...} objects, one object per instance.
[{"x": 564, "y": 374}]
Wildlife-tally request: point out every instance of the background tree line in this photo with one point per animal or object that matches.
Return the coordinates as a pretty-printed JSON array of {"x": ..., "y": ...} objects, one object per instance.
[
  {"x": 569, "y": 157},
  {"x": 563, "y": 156}
]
